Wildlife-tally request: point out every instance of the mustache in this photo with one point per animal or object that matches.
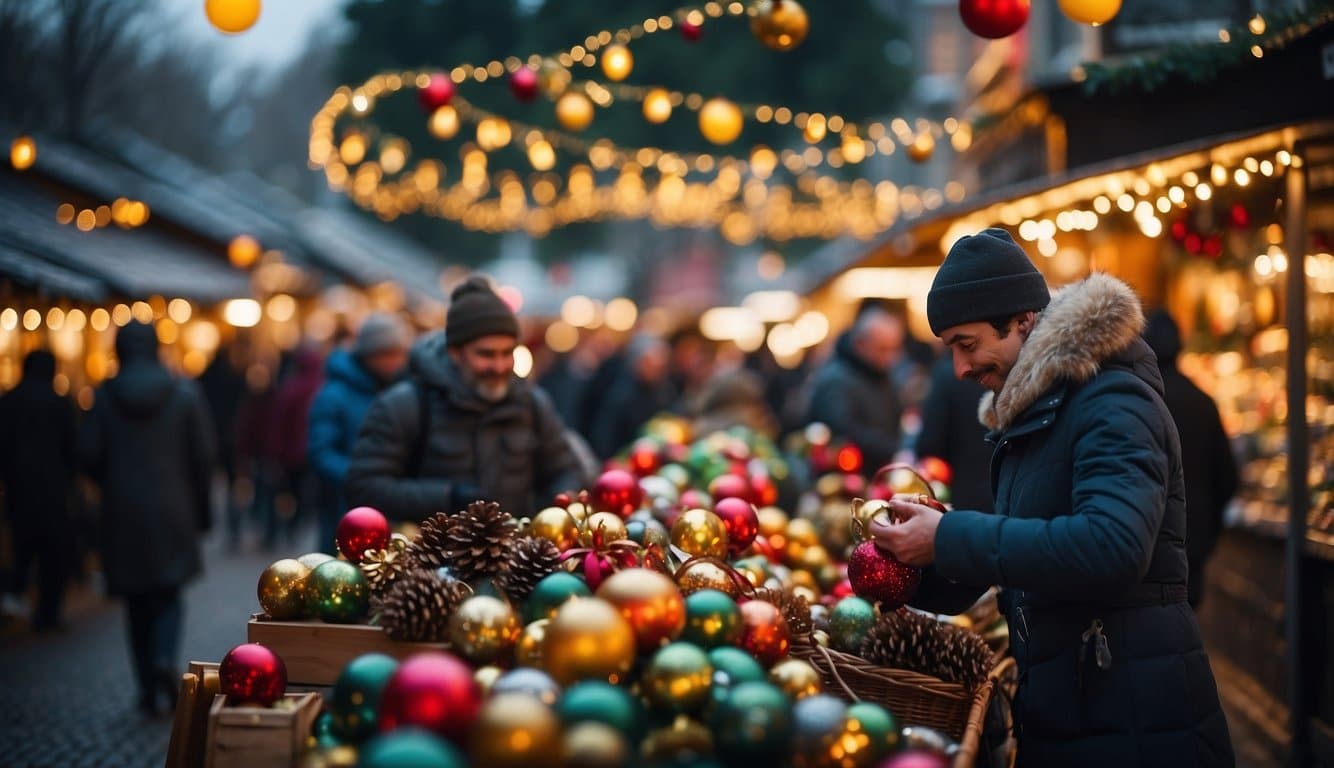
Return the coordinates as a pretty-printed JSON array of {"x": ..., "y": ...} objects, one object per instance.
[{"x": 978, "y": 374}]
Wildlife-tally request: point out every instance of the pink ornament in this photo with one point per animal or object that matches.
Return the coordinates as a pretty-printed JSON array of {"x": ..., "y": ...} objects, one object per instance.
[
  {"x": 742, "y": 523},
  {"x": 916, "y": 759},
  {"x": 691, "y": 31},
  {"x": 876, "y": 576},
  {"x": 437, "y": 93},
  {"x": 617, "y": 491},
  {"x": 523, "y": 84},
  {"x": 434, "y": 691},
  {"x": 252, "y": 674},
  {"x": 362, "y": 528},
  {"x": 732, "y": 486}
]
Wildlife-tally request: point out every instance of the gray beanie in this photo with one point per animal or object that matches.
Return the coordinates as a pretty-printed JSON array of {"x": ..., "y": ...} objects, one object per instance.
[
  {"x": 381, "y": 332},
  {"x": 985, "y": 276}
]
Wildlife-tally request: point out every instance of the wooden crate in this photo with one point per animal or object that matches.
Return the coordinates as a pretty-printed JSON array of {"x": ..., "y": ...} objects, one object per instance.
[
  {"x": 315, "y": 653},
  {"x": 259, "y": 737}
]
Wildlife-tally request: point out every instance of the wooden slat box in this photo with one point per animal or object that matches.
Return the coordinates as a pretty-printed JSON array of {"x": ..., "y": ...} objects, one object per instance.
[
  {"x": 260, "y": 737},
  {"x": 315, "y": 653}
]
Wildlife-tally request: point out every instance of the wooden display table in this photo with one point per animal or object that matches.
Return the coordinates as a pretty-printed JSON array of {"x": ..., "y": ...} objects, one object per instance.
[{"x": 315, "y": 653}]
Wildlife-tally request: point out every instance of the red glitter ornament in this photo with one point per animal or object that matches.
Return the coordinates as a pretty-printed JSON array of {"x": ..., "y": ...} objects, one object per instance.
[
  {"x": 434, "y": 691},
  {"x": 252, "y": 674},
  {"x": 764, "y": 632},
  {"x": 741, "y": 521},
  {"x": 994, "y": 19},
  {"x": 438, "y": 92},
  {"x": 523, "y": 84},
  {"x": 878, "y": 577},
  {"x": 362, "y": 528},
  {"x": 617, "y": 491}
]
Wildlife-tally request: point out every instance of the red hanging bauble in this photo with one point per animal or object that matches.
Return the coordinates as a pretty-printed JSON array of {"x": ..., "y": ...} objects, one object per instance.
[
  {"x": 617, "y": 491},
  {"x": 692, "y": 498},
  {"x": 523, "y": 84},
  {"x": 731, "y": 486},
  {"x": 877, "y": 576},
  {"x": 741, "y": 521},
  {"x": 1239, "y": 216},
  {"x": 1193, "y": 243},
  {"x": 994, "y": 18},
  {"x": 1179, "y": 230},
  {"x": 1213, "y": 246},
  {"x": 437, "y": 93},
  {"x": 434, "y": 691},
  {"x": 252, "y": 674},
  {"x": 362, "y": 528},
  {"x": 690, "y": 30}
]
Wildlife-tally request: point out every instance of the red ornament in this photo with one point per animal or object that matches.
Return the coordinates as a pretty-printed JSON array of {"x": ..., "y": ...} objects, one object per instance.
[
  {"x": 993, "y": 18},
  {"x": 936, "y": 469},
  {"x": 252, "y": 674},
  {"x": 1213, "y": 246},
  {"x": 878, "y": 577},
  {"x": 523, "y": 84},
  {"x": 695, "y": 499},
  {"x": 690, "y": 30},
  {"x": 848, "y": 459},
  {"x": 617, "y": 491},
  {"x": 1179, "y": 230},
  {"x": 644, "y": 459},
  {"x": 842, "y": 589},
  {"x": 731, "y": 486},
  {"x": 764, "y": 632},
  {"x": 1194, "y": 242},
  {"x": 362, "y": 528},
  {"x": 1240, "y": 217},
  {"x": 434, "y": 691},
  {"x": 437, "y": 93},
  {"x": 741, "y": 521}
]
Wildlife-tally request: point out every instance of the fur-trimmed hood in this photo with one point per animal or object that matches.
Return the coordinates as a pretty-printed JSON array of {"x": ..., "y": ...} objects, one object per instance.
[{"x": 1086, "y": 324}]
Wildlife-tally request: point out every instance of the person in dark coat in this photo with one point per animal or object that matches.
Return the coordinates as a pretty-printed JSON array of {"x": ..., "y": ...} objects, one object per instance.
[
  {"x": 297, "y": 487},
  {"x": 224, "y": 387},
  {"x": 463, "y": 427},
  {"x": 640, "y": 392},
  {"x": 1207, "y": 460},
  {"x": 853, "y": 393},
  {"x": 149, "y": 447},
  {"x": 1088, "y": 537},
  {"x": 352, "y": 379},
  {"x": 952, "y": 433},
  {"x": 37, "y": 463}
]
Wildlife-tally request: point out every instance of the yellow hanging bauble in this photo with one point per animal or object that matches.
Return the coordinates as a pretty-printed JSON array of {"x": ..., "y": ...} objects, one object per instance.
[
  {"x": 657, "y": 106},
  {"x": 779, "y": 24},
  {"x": 574, "y": 111},
  {"x": 1092, "y": 12},
  {"x": 232, "y": 16},
  {"x": 922, "y": 147},
  {"x": 720, "y": 121},
  {"x": 617, "y": 61}
]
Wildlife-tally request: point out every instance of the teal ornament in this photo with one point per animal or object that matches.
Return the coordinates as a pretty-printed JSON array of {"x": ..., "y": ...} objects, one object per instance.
[
  {"x": 409, "y": 748},
  {"x": 733, "y": 666},
  {"x": 751, "y": 725},
  {"x": 356, "y": 696},
  {"x": 849, "y": 624},
  {"x": 879, "y": 726},
  {"x": 600, "y": 702},
  {"x": 551, "y": 593},
  {"x": 337, "y": 592},
  {"x": 817, "y": 722},
  {"x": 678, "y": 678},
  {"x": 323, "y": 731},
  {"x": 712, "y": 619}
]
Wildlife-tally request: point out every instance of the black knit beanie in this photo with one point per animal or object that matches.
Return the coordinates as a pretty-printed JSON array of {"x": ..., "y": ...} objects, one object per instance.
[
  {"x": 984, "y": 276},
  {"x": 476, "y": 311}
]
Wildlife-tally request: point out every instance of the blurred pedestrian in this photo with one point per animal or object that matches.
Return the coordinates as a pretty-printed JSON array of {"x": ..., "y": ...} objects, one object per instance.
[
  {"x": 694, "y": 359},
  {"x": 952, "y": 433},
  {"x": 150, "y": 449},
  {"x": 462, "y": 427},
  {"x": 352, "y": 379},
  {"x": 1206, "y": 456},
  {"x": 224, "y": 387},
  {"x": 735, "y": 398},
  {"x": 853, "y": 394},
  {"x": 640, "y": 392},
  {"x": 37, "y": 465},
  {"x": 288, "y": 432}
]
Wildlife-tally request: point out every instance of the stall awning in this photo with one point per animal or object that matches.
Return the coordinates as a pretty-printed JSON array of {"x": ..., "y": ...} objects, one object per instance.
[{"x": 48, "y": 278}]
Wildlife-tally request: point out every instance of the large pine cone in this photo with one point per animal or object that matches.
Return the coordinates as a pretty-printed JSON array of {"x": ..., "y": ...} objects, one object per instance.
[
  {"x": 477, "y": 540},
  {"x": 418, "y": 604},
  {"x": 793, "y": 607},
  {"x": 908, "y": 640},
  {"x": 530, "y": 560}
]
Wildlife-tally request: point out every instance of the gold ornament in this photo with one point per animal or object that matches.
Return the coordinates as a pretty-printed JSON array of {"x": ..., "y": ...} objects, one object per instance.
[
  {"x": 580, "y": 511},
  {"x": 553, "y": 78},
  {"x": 605, "y": 527},
  {"x": 657, "y": 106},
  {"x": 704, "y": 574},
  {"x": 232, "y": 16},
  {"x": 588, "y": 639},
  {"x": 779, "y": 24},
  {"x": 595, "y": 745},
  {"x": 487, "y": 677},
  {"x": 863, "y": 512},
  {"x": 773, "y": 521},
  {"x": 650, "y": 602},
  {"x": 484, "y": 629},
  {"x": 678, "y": 678},
  {"x": 683, "y": 742},
  {"x": 444, "y": 123},
  {"x": 515, "y": 729},
  {"x": 699, "y": 532},
  {"x": 804, "y": 580},
  {"x": 557, "y": 526},
  {"x": 1092, "y": 12},
  {"x": 796, "y": 677},
  {"x": 574, "y": 111},
  {"x": 282, "y": 589},
  {"x": 528, "y": 649},
  {"x": 617, "y": 61},
  {"x": 381, "y": 567},
  {"x": 919, "y": 151},
  {"x": 720, "y": 121},
  {"x": 808, "y": 592},
  {"x": 813, "y": 559}
]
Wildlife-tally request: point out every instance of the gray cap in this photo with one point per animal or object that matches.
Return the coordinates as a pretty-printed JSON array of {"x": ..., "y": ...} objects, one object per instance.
[{"x": 380, "y": 332}]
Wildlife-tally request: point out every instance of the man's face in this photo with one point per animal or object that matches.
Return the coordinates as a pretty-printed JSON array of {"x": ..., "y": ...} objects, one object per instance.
[
  {"x": 487, "y": 365},
  {"x": 980, "y": 352},
  {"x": 881, "y": 342},
  {"x": 386, "y": 364}
]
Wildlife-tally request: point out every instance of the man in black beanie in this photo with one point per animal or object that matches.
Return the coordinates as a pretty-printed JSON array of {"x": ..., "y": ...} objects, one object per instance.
[
  {"x": 462, "y": 427},
  {"x": 1088, "y": 536}
]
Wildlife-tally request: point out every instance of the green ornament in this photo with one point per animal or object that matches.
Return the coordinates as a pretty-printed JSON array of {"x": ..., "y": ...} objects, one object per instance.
[
  {"x": 678, "y": 678},
  {"x": 679, "y": 475},
  {"x": 712, "y": 619},
  {"x": 323, "y": 731},
  {"x": 817, "y": 723},
  {"x": 337, "y": 592},
  {"x": 850, "y": 622},
  {"x": 409, "y": 748},
  {"x": 356, "y": 695},
  {"x": 879, "y": 725},
  {"x": 751, "y": 725},
  {"x": 733, "y": 666},
  {"x": 595, "y": 701},
  {"x": 551, "y": 593}
]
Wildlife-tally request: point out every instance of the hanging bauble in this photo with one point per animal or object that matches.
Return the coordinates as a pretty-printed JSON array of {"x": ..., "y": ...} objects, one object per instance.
[
  {"x": 337, "y": 593},
  {"x": 574, "y": 111},
  {"x": 483, "y": 630},
  {"x": 796, "y": 678},
  {"x": 617, "y": 61},
  {"x": 700, "y": 532},
  {"x": 529, "y": 681},
  {"x": 551, "y": 593},
  {"x": 617, "y": 491},
  {"x": 849, "y": 623},
  {"x": 434, "y": 691},
  {"x": 1092, "y": 12},
  {"x": 252, "y": 674},
  {"x": 712, "y": 619},
  {"x": 356, "y": 695},
  {"x": 362, "y": 528},
  {"x": 650, "y": 602},
  {"x": 720, "y": 121},
  {"x": 557, "y": 526},
  {"x": 515, "y": 729},
  {"x": 409, "y": 747},
  {"x": 773, "y": 521},
  {"x": 922, "y": 147},
  {"x": 696, "y": 575},
  {"x": 523, "y": 84},
  {"x": 993, "y": 18},
  {"x": 764, "y": 631},
  {"x": 752, "y": 723},
  {"x": 741, "y": 520},
  {"x": 817, "y": 723},
  {"x": 877, "y": 576},
  {"x": 594, "y": 745},
  {"x": 597, "y": 701},
  {"x": 677, "y": 679},
  {"x": 588, "y": 639},
  {"x": 778, "y": 24},
  {"x": 281, "y": 589},
  {"x": 437, "y": 92},
  {"x": 313, "y": 559},
  {"x": 878, "y": 724},
  {"x": 690, "y": 30},
  {"x": 232, "y": 16}
]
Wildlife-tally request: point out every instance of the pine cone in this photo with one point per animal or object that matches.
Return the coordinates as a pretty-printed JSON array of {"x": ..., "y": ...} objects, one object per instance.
[
  {"x": 382, "y": 567},
  {"x": 908, "y": 640},
  {"x": 477, "y": 540},
  {"x": 793, "y": 607},
  {"x": 418, "y": 604},
  {"x": 965, "y": 657},
  {"x": 427, "y": 550},
  {"x": 530, "y": 560}
]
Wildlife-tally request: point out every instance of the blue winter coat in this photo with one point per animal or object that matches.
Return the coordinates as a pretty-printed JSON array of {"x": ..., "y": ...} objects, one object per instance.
[
  {"x": 336, "y": 415},
  {"x": 1090, "y": 526}
]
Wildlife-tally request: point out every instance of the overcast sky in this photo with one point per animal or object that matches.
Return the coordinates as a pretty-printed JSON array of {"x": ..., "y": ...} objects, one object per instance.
[{"x": 278, "y": 36}]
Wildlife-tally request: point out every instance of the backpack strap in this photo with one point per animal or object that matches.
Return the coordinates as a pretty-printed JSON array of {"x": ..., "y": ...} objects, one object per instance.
[{"x": 417, "y": 456}]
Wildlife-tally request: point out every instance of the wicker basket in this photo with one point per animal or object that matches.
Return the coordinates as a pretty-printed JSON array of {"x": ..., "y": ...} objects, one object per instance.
[{"x": 915, "y": 699}]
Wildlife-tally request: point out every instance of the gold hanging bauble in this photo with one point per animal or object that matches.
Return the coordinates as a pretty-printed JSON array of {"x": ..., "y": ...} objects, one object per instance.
[
  {"x": 617, "y": 61},
  {"x": 773, "y": 521},
  {"x": 557, "y": 526},
  {"x": 1091, "y": 12},
  {"x": 595, "y": 745},
  {"x": 919, "y": 151},
  {"x": 604, "y": 527},
  {"x": 588, "y": 639},
  {"x": 700, "y": 532},
  {"x": 281, "y": 589},
  {"x": 862, "y": 514},
  {"x": 705, "y": 574},
  {"x": 574, "y": 111},
  {"x": 657, "y": 106},
  {"x": 720, "y": 121},
  {"x": 795, "y": 677},
  {"x": 779, "y": 24},
  {"x": 650, "y": 601},
  {"x": 232, "y": 16},
  {"x": 484, "y": 629}
]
